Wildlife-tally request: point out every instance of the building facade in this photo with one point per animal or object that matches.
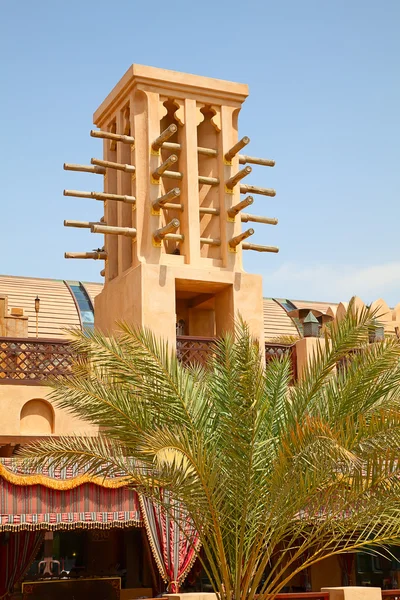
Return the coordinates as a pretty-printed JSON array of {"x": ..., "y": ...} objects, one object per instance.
[{"x": 174, "y": 196}]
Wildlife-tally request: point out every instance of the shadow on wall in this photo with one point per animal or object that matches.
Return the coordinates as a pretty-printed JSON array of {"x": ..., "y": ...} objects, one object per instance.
[{"x": 37, "y": 417}]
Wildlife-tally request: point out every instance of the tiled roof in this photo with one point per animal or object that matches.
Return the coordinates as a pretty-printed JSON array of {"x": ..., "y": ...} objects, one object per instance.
[
  {"x": 322, "y": 306},
  {"x": 57, "y": 306},
  {"x": 276, "y": 320},
  {"x": 58, "y": 310}
]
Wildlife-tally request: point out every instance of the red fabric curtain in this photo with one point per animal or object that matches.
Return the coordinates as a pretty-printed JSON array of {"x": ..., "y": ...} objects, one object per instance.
[
  {"x": 17, "y": 552},
  {"x": 172, "y": 537},
  {"x": 346, "y": 562}
]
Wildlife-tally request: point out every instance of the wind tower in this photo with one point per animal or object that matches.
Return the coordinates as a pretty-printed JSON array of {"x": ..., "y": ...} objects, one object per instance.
[{"x": 173, "y": 178}]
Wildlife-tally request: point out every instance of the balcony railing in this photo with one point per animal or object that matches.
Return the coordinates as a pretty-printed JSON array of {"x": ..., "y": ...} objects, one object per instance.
[
  {"x": 32, "y": 361},
  {"x": 193, "y": 349},
  {"x": 278, "y": 350}
]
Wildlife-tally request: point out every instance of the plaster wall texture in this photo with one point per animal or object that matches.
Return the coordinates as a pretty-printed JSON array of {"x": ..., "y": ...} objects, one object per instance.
[
  {"x": 146, "y": 296},
  {"x": 353, "y": 593},
  {"x": 305, "y": 350},
  {"x": 327, "y": 572},
  {"x": 36, "y": 417}
]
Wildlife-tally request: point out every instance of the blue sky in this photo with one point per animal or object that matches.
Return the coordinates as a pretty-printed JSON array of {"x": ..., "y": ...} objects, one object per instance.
[{"x": 324, "y": 102}]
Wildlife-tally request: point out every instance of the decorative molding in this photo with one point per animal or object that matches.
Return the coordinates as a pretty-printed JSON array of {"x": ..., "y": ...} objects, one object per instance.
[
  {"x": 163, "y": 110},
  {"x": 216, "y": 118},
  {"x": 179, "y": 114},
  {"x": 200, "y": 116}
]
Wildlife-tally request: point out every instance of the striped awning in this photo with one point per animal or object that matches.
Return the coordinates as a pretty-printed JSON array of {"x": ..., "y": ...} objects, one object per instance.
[{"x": 64, "y": 499}]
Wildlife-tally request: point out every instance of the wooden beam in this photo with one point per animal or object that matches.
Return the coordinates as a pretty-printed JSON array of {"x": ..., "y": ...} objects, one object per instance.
[
  {"x": 101, "y": 196},
  {"x": 171, "y": 160},
  {"x": 207, "y": 151},
  {"x": 117, "y": 137},
  {"x": 172, "y": 175},
  {"x": 81, "y": 224},
  {"x": 175, "y": 237},
  {"x": 94, "y": 255},
  {"x": 210, "y": 241},
  {"x": 159, "y": 234},
  {"x": 236, "y": 148},
  {"x": 235, "y": 241},
  {"x": 245, "y": 218},
  {"x": 171, "y": 195},
  {"x": 209, "y": 211},
  {"x": 113, "y": 165},
  {"x": 234, "y": 210},
  {"x": 172, "y": 206},
  {"x": 208, "y": 180},
  {"x": 109, "y": 230},
  {"x": 259, "y": 248},
  {"x": 163, "y": 137},
  {"x": 84, "y": 168},
  {"x": 253, "y": 160},
  {"x": 234, "y": 180},
  {"x": 252, "y": 189},
  {"x": 204, "y": 151}
]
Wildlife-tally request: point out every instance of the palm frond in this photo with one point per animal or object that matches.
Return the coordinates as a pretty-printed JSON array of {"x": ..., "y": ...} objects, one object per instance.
[{"x": 275, "y": 476}]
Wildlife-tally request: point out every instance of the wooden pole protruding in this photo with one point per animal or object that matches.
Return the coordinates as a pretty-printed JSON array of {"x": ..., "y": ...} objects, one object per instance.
[
  {"x": 207, "y": 151},
  {"x": 113, "y": 165},
  {"x": 163, "y": 137},
  {"x": 259, "y": 248},
  {"x": 253, "y": 189},
  {"x": 208, "y": 180},
  {"x": 103, "y": 273},
  {"x": 171, "y": 195},
  {"x": 81, "y": 224},
  {"x": 235, "y": 241},
  {"x": 107, "y": 229},
  {"x": 94, "y": 255},
  {"x": 172, "y": 206},
  {"x": 172, "y": 146},
  {"x": 172, "y": 226},
  {"x": 245, "y": 218},
  {"x": 172, "y": 175},
  {"x": 234, "y": 210},
  {"x": 175, "y": 237},
  {"x": 204, "y": 151},
  {"x": 84, "y": 168},
  {"x": 209, "y": 211},
  {"x": 253, "y": 160},
  {"x": 171, "y": 160},
  {"x": 100, "y": 196},
  {"x": 236, "y": 148},
  {"x": 234, "y": 180},
  {"x": 210, "y": 241},
  {"x": 117, "y": 137}
]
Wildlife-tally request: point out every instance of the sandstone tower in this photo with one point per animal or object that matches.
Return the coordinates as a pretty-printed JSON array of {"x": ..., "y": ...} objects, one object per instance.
[{"x": 175, "y": 187}]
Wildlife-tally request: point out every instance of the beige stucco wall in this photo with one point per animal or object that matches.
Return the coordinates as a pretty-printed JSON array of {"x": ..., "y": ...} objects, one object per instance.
[
  {"x": 12, "y": 400},
  {"x": 326, "y": 573},
  {"x": 146, "y": 296},
  {"x": 306, "y": 348},
  {"x": 353, "y": 593}
]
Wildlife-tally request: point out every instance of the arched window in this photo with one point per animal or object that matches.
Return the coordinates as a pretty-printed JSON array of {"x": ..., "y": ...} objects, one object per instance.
[{"x": 37, "y": 418}]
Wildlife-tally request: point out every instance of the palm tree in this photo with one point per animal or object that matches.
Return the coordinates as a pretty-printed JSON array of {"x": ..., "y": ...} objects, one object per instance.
[{"x": 275, "y": 476}]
